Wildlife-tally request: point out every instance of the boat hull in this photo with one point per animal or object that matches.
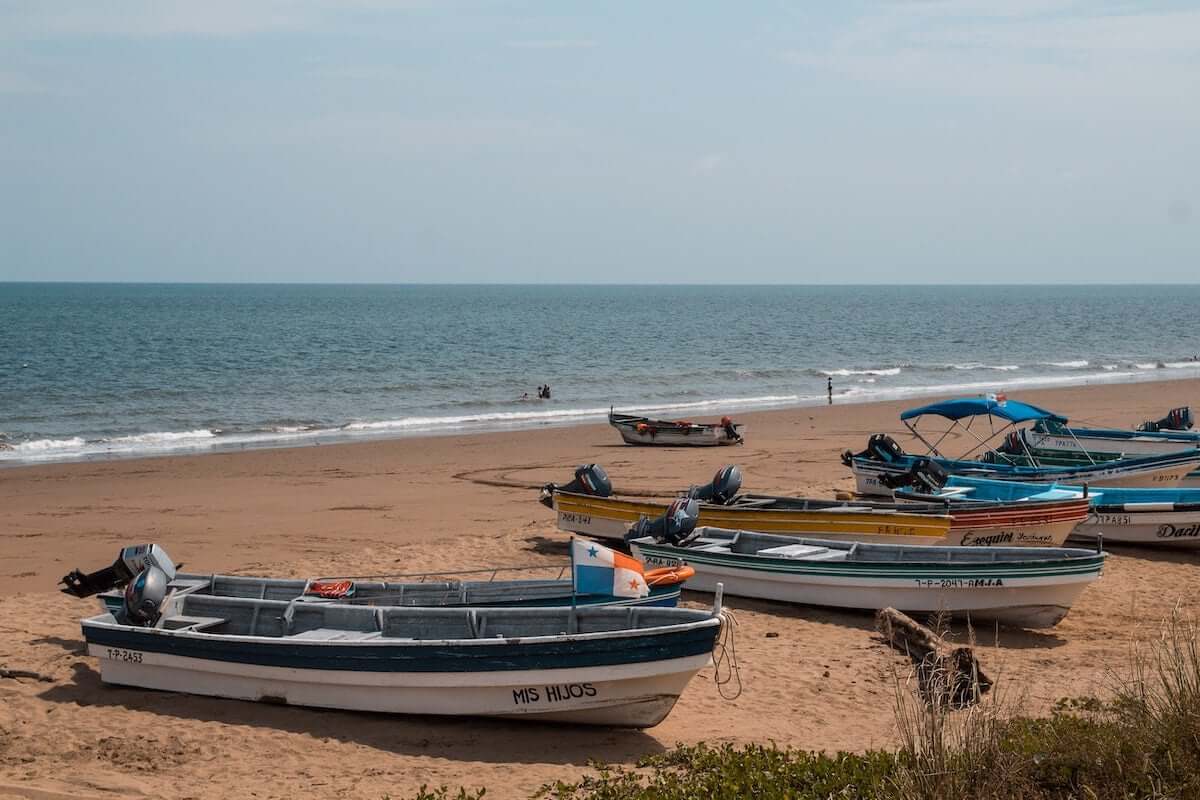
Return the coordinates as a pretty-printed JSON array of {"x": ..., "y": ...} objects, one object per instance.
[
  {"x": 1027, "y": 600},
  {"x": 1158, "y": 528},
  {"x": 632, "y": 696},
  {"x": 1157, "y": 517},
  {"x": 628, "y": 679},
  {"x": 707, "y": 437}
]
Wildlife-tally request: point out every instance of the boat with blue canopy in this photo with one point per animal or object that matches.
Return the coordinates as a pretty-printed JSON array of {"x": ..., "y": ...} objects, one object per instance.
[
  {"x": 983, "y": 420},
  {"x": 1055, "y": 443}
]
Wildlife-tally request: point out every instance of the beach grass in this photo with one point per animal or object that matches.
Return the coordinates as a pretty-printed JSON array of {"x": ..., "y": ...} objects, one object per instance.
[{"x": 1141, "y": 741}]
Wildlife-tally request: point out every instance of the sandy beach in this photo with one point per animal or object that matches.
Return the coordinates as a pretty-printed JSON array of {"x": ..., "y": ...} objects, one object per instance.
[{"x": 820, "y": 680}]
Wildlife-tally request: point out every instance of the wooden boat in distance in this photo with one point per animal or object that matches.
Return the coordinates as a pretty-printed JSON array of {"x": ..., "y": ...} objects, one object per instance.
[
  {"x": 598, "y": 666},
  {"x": 674, "y": 433},
  {"x": 1023, "y": 586}
]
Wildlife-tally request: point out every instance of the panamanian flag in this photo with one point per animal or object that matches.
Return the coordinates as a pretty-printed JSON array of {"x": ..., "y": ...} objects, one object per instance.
[{"x": 599, "y": 570}]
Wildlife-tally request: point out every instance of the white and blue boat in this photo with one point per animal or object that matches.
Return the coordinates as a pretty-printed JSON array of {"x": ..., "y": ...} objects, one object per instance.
[
  {"x": 1031, "y": 587},
  {"x": 884, "y": 463},
  {"x": 600, "y": 664},
  {"x": 604, "y": 666}
]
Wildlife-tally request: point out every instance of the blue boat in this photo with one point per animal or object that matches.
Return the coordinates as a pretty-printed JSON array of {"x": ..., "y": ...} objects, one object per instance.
[{"x": 884, "y": 464}]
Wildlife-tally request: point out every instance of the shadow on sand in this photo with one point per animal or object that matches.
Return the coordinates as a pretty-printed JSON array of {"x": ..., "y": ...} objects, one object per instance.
[
  {"x": 986, "y": 634},
  {"x": 545, "y": 546},
  {"x": 1165, "y": 554},
  {"x": 452, "y": 738}
]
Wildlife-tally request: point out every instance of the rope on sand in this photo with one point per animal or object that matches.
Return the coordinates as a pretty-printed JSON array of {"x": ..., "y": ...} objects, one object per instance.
[
  {"x": 498, "y": 476},
  {"x": 725, "y": 653}
]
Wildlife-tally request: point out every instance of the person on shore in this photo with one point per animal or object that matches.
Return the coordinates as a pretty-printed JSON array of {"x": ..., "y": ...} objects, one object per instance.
[{"x": 829, "y": 388}]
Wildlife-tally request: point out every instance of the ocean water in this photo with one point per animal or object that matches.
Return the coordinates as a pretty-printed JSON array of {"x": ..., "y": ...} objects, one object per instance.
[{"x": 109, "y": 370}]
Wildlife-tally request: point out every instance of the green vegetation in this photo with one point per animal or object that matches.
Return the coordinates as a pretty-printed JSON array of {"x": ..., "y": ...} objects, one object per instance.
[{"x": 1143, "y": 742}]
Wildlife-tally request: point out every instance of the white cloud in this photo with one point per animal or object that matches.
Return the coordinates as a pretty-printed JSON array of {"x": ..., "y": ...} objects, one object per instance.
[{"x": 1035, "y": 49}]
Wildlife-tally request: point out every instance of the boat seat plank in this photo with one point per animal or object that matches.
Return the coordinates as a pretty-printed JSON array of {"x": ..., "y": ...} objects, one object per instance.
[
  {"x": 804, "y": 552},
  {"x": 335, "y": 635},
  {"x": 183, "y": 622}
]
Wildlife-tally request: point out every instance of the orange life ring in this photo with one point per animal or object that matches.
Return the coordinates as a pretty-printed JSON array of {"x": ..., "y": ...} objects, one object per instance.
[{"x": 669, "y": 576}]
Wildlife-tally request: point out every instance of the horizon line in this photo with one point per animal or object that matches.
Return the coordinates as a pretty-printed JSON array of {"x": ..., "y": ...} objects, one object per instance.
[{"x": 580, "y": 284}]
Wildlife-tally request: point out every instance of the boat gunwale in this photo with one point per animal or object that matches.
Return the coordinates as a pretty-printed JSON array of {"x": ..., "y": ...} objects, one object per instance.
[{"x": 101, "y": 621}]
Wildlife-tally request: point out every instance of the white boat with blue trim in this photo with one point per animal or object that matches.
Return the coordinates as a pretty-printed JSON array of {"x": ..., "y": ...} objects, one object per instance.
[
  {"x": 601, "y": 666},
  {"x": 1032, "y": 587}
]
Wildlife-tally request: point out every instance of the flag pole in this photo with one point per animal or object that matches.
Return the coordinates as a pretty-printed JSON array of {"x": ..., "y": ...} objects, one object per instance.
[{"x": 573, "y": 589}]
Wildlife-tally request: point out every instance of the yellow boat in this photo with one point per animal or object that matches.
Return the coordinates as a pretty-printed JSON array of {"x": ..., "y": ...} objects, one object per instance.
[{"x": 610, "y": 517}]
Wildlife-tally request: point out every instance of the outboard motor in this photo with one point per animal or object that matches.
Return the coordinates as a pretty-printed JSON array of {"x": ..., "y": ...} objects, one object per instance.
[
  {"x": 144, "y": 597},
  {"x": 925, "y": 476},
  {"x": 130, "y": 562},
  {"x": 723, "y": 487},
  {"x": 1177, "y": 419},
  {"x": 1012, "y": 444},
  {"x": 589, "y": 479},
  {"x": 674, "y": 527},
  {"x": 882, "y": 447}
]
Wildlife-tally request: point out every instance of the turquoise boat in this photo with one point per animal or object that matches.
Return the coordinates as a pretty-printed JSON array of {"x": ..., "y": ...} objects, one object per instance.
[{"x": 884, "y": 464}]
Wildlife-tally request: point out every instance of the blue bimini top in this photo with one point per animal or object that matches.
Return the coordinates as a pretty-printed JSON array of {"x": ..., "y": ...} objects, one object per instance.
[{"x": 1011, "y": 410}]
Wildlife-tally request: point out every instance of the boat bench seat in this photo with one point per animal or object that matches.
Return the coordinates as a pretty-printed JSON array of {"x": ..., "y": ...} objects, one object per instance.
[
  {"x": 335, "y": 635},
  {"x": 806, "y": 552},
  {"x": 182, "y": 622}
]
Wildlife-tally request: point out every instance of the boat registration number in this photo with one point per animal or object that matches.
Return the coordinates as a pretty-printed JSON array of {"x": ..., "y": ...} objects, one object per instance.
[
  {"x": 1110, "y": 519},
  {"x": 572, "y": 517},
  {"x": 958, "y": 583},
  {"x": 119, "y": 654}
]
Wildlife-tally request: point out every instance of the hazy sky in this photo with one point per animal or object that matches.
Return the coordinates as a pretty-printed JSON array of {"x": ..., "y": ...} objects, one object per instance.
[{"x": 367, "y": 140}]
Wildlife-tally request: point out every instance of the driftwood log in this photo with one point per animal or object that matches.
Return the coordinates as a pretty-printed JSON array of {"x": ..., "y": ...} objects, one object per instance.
[{"x": 946, "y": 673}]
